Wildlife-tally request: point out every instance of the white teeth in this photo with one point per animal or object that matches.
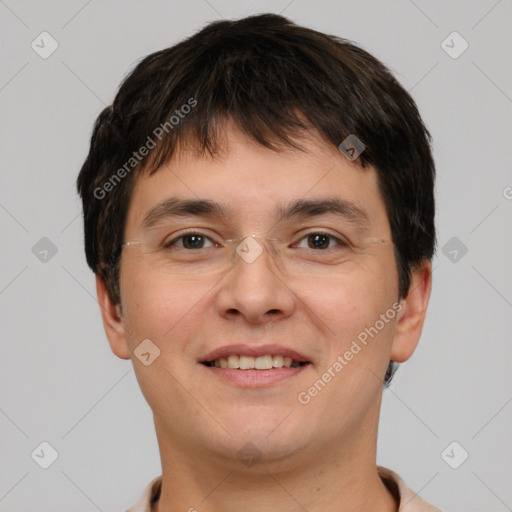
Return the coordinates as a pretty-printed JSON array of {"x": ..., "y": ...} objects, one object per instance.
[
  {"x": 246, "y": 362},
  {"x": 277, "y": 361},
  {"x": 263, "y": 363},
  {"x": 266, "y": 362},
  {"x": 233, "y": 362}
]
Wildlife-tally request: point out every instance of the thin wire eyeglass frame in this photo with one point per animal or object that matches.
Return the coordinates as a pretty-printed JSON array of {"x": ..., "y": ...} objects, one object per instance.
[{"x": 248, "y": 252}]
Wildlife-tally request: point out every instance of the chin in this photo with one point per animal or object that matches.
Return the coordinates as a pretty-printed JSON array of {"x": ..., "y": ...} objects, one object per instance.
[{"x": 267, "y": 439}]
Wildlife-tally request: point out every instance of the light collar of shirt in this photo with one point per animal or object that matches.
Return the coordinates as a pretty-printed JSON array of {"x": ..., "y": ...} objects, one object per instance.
[{"x": 408, "y": 500}]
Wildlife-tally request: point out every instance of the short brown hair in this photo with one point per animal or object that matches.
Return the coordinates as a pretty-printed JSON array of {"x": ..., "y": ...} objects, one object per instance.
[{"x": 274, "y": 80}]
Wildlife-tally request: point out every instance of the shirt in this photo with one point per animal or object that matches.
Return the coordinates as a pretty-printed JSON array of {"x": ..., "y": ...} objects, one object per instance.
[{"x": 408, "y": 500}]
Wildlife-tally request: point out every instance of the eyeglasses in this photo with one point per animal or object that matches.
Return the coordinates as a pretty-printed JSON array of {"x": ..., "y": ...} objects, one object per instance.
[{"x": 196, "y": 252}]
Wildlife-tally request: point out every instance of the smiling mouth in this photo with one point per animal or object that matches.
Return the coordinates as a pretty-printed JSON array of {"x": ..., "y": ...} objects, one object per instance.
[{"x": 267, "y": 362}]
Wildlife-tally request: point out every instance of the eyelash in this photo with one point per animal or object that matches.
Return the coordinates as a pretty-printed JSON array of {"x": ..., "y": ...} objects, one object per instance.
[{"x": 170, "y": 243}]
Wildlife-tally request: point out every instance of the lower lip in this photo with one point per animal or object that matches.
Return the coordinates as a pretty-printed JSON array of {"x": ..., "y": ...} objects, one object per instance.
[{"x": 255, "y": 378}]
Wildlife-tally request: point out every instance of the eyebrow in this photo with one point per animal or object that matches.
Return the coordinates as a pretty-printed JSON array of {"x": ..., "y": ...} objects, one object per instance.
[
  {"x": 173, "y": 207},
  {"x": 331, "y": 206},
  {"x": 300, "y": 208}
]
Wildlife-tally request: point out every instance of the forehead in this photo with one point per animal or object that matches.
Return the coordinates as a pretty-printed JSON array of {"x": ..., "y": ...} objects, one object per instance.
[{"x": 255, "y": 184}]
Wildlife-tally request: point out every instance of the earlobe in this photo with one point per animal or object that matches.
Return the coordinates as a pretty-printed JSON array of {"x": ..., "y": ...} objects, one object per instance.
[
  {"x": 113, "y": 322},
  {"x": 412, "y": 316}
]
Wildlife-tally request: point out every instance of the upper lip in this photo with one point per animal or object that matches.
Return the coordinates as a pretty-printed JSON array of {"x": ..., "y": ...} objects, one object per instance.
[{"x": 253, "y": 351}]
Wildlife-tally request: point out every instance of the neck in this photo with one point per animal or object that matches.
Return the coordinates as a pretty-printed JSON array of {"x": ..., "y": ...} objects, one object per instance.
[{"x": 314, "y": 479}]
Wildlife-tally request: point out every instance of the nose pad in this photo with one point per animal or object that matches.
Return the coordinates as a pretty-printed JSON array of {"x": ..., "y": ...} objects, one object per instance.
[{"x": 251, "y": 247}]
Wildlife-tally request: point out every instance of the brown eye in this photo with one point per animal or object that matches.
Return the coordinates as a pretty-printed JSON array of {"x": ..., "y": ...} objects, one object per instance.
[
  {"x": 193, "y": 241},
  {"x": 189, "y": 241},
  {"x": 318, "y": 241}
]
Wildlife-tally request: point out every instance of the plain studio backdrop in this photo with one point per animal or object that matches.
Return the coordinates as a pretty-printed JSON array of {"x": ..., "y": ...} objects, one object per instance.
[{"x": 445, "y": 424}]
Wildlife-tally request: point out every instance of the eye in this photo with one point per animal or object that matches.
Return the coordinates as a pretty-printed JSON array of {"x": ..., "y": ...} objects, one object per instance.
[
  {"x": 190, "y": 240},
  {"x": 320, "y": 241}
]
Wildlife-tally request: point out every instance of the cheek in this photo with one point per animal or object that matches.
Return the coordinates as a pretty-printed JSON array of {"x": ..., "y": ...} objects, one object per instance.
[
  {"x": 358, "y": 321},
  {"x": 159, "y": 307},
  {"x": 347, "y": 303}
]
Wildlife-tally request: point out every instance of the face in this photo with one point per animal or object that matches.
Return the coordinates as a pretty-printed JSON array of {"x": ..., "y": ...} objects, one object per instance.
[{"x": 324, "y": 293}]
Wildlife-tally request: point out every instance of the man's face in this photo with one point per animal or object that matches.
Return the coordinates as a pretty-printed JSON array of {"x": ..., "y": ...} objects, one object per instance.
[{"x": 316, "y": 312}]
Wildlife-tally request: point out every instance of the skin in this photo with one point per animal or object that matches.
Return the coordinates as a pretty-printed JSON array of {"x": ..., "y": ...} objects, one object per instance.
[{"x": 319, "y": 456}]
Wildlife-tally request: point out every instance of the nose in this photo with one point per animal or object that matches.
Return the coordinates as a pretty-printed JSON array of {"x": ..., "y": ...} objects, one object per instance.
[{"x": 254, "y": 288}]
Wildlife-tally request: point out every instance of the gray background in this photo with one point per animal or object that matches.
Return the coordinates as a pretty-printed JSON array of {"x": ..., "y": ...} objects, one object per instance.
[{"x": 60, "y": 382}]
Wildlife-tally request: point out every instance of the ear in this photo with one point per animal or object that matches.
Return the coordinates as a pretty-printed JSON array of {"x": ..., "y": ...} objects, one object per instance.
[
  {"x": 112, "y": 321},
  {"x": 412, "y": 316}
]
